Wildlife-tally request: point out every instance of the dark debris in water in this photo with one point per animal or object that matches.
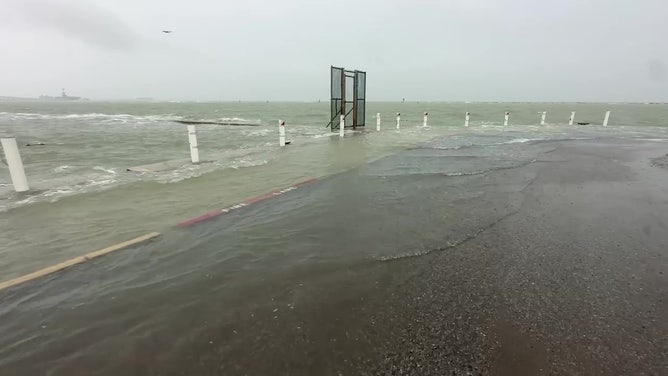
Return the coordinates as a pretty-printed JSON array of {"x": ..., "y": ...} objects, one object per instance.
[{"x": 660, "y": 161}]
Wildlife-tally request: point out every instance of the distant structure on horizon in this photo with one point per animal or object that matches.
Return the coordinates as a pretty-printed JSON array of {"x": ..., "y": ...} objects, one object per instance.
[{"x": 63, "y": 97}]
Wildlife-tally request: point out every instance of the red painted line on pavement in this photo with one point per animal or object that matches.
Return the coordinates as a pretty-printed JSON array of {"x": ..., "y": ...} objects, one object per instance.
[
  {"x": 305, "y": 182},
  {"x": 257, "y": 199},
  {"x": 201, "y": 218},
  {"x": 250, "y": 201}
]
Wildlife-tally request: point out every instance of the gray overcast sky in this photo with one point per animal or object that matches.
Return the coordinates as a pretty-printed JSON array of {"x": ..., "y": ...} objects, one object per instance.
[{"x": 540, "y": 50}]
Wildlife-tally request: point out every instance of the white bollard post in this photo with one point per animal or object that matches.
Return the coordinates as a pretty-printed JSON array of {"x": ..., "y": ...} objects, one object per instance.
[
  {"x": 16, "y": 170},
  {"x": 192, "y": 139},
  {"x": 572, "y": 118},
  {"x": 398, "y": 120},
  {"x": 378, "y": 121},
  {"x": 607, "y": 117},
  {"x": 426, "y": 119},
  {"x": 507, "y": 117},
  {"x": 542, "y": 118},
  {"x": 281, "y": 133},
  {"x": 468, "y": 117},
  {"x": 342, "y": 125}
]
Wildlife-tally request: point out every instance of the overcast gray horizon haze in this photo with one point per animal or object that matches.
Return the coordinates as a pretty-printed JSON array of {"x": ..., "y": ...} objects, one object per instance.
[{"x": 457, "y": 50}]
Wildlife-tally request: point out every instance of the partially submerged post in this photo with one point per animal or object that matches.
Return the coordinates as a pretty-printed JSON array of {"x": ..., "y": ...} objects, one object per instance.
[
  {"x": 398, "y": 120},
  {"x": 15, "y": 164},
  {"x": 342, "y": 125},
  {"x": 506, "y": 118},
  {"x": 607, "y": 117},
  {"x": 572, "y": 118},
  {"x": 542, "y": 118},
  {"x": 468, "y": 117},
  {"x": 281, "y": 133},
  {"x": 425, "y": 122},
  {"x": 192, "y": 139},
  {"x": 378, "y": 121}
]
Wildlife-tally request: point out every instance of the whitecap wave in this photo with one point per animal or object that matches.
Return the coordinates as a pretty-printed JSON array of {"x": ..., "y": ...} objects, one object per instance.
[
  {"x": 330, "y": 134},
  {"x": 123, "y": 118},
  {"x": 107, "y": 170},
  {"x": 521, "y": 140},
  {"x": 248, "y": 163}
]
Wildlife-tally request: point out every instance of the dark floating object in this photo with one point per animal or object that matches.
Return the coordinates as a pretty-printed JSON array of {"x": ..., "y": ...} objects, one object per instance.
[
  {"x": 166, "y": 31},
  {"x": 36, "y": 144},
  {"x": 195, "y": 122},
  {"x": 583, "y": 123},
  {"x": 288, "y": 142}
]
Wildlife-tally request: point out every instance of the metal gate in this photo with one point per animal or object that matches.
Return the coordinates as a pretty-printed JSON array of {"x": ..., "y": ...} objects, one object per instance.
[{"x": 341, "y": 80}]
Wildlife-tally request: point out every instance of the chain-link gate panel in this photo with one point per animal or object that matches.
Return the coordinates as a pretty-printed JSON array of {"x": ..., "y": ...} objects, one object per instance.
[{"x": 337, "y": 102}]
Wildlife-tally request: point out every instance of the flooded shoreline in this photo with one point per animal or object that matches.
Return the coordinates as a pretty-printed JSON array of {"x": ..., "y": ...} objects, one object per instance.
[{"x": 511, "y": 269}]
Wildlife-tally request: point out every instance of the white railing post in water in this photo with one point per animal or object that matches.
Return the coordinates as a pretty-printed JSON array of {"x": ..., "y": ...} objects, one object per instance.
[
  {"x": 425, "y": 122},
  {"x": 192, "y": 139},
  {"x": 572, "y": 118},
  {"x": 15, "y": 164},
  {"x": 468, "y": 117},
  {"x": 607, "y": 117},
  {"x": 542, "y": 118},
  {"x": 342, "y": 126},
  {"x": 378, "y": 121},
  {"x": 398, "y": 120},
  {"x": 506, "y": 118},
  {"x": 281, "y": 133}
]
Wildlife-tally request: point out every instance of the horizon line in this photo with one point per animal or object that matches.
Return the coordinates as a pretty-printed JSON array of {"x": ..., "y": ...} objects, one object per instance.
[{"x": 154, "y": 100}]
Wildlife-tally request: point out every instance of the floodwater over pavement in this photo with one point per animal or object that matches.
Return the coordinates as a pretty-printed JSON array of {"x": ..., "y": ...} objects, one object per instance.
[{"x": 439, "y": 250}]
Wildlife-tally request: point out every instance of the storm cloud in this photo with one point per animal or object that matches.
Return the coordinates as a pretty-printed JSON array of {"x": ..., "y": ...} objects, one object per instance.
[
  {"x": 457, "y": 50},
  {"x": 79, "y": 19}
]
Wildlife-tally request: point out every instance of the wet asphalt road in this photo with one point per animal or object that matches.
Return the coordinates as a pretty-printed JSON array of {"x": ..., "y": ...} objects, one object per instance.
[
  {"x": 566, "y": 276},
  {"x": 571, "y": 283},
  {"x": 552, "y": 266}
]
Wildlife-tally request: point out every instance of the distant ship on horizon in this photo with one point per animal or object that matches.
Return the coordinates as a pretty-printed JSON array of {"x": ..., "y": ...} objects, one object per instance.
[{"x": 63, "y": 97}]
